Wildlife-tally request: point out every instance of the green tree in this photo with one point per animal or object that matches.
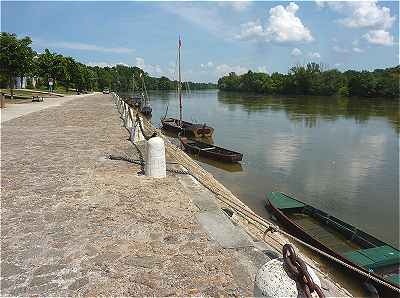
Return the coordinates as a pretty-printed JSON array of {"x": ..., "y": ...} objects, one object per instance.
[{"x": 16, "y": 57}]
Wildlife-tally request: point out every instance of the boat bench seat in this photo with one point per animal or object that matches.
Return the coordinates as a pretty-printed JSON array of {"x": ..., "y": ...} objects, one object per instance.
[
  {"x": 282, "y": 201},
  {"x": 375, "y": 257},
  {"x": 395, "y": 278}
]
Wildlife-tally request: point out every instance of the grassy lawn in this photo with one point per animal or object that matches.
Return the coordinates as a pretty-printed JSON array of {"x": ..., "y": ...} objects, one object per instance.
[
  {"x": 60, "y": 90},
  {"x": 28, "y": 94}
]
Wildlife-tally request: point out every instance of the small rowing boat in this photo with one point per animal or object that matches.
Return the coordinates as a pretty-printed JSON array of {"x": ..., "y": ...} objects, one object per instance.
[
  {"x": 211, "y": 151},
  {"x": 340, "y": 240}
]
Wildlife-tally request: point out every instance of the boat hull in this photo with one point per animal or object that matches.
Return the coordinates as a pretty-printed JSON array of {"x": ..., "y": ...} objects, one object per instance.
[
  {"x": 146, "y": 111},
  {"x": 297, "y": 231},
  {"x": 216, "y": 153},
  {"x": 188, "y": 129}
]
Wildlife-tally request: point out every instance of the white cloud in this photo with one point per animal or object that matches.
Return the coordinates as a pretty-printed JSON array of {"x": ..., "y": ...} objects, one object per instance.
[
  {"x": 224, "y": 69},
  {"x": 209, "y": 64},
  {"x": 81, "y": 46},
  {"x": 153, "y": 69},
  {"x": 238, "y": 6},
  {"x": 364, "y": 14},
  {"x": 251, "y": 31},
  {"x": 296, "y": 52},
  {"x": 379, "y": 37},
  {"x": 339, "y": 49},
  {"x": 358, "y": 50},
  {"x": 203, "y": 15},
  {"x": 314, "y": 55},
  {"x": 262, "y": 68},
  {"x": 283, "y": 26},
  {"x": 361, "y": 14}
]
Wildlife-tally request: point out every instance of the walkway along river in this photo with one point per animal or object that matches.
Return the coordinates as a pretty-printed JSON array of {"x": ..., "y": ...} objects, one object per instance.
[{"x": 338, "y": 154}]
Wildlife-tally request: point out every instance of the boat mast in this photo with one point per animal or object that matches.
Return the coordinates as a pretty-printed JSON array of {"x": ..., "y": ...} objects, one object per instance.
[
  {"x": 179, "y": 82},
  {"x": 133, "y": 85}
]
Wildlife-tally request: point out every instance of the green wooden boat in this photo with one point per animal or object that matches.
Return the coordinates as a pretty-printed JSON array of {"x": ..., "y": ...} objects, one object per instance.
[{"x": 340, "y": 240}]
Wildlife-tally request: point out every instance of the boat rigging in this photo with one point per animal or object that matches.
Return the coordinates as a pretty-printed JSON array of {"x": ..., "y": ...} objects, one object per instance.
[{"x": 178, "y": 125}]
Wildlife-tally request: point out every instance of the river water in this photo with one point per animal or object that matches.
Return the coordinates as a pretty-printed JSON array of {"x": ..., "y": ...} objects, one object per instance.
[{"x": 340, "y": 155}]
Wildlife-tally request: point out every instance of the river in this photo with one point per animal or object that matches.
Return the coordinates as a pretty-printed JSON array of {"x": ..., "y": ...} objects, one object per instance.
[{"x": 340, "y": 155}]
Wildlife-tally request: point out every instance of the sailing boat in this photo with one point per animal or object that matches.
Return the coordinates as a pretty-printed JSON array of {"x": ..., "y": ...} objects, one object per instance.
[
  {"x": 145, "y": 107},
  {"x": 136, "y": 100},
  {"x": 178, "y": 125}
]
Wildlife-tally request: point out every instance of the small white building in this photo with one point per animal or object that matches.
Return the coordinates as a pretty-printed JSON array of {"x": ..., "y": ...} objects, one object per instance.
[{"x": 20, "y": 84}]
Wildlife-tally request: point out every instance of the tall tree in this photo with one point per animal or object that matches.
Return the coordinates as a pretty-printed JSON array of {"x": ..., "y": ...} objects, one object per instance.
[{"x": 16, "y": 57}]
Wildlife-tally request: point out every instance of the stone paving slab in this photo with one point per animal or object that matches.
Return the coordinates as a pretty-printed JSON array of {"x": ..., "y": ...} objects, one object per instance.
[
  {"x": 74, "y": 222},
  {"x": 222, "y": 230}
]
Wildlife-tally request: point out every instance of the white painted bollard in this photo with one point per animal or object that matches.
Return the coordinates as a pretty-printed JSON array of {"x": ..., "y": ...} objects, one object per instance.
[
  {"x": 129, "y": 123},
  {"x": 136, "y": 133},
  {"x": 155, "y": 158},
  {"x": 273, "y": 281}
]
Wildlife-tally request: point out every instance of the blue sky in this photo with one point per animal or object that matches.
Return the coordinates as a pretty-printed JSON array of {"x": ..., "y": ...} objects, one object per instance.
[{"x": 218, "y": 37}]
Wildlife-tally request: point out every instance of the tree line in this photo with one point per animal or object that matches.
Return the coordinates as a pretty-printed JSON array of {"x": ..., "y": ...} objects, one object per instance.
[
  {"x": 312, "y": 79},
  {"x": 18, "y": 59}
]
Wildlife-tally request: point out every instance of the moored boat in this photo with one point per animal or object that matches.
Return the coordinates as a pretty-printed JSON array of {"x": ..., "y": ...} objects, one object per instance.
[
  {"x": 136, "y": 101},
  {"x": 340, "y": 240},
  {"x": 186, "y": 128},
  {"x": 211, "y": 151},
  {"x": 146, "y": 110}
]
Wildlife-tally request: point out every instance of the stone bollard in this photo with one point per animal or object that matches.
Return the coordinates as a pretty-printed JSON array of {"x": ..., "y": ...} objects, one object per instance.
[
  {"x": 155, "y": 158},
  {"x": 273, "y": 281},
  {"x": 2, "y": 100},
  {"x": 136, "y": 133},
  {"x": 129, "y": 123}
]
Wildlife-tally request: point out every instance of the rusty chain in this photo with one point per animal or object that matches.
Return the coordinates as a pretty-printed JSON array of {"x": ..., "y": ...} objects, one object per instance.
[{"x": 298, "y": 269}]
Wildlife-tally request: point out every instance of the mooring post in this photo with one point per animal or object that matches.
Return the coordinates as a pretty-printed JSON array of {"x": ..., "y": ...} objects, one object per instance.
[
  {"x": 128, "y": 119},
  {"x": 3, "y": 101},
  {"x": 155, "y": 158},
  {"x": 272, "y": 280},
  {"x": 136, "y": 132}
]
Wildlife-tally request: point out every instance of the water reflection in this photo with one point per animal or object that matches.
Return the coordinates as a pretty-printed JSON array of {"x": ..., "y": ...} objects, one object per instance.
[
  {"x": 308, "y": 109},
  {"x": 227, "y": 167},
  {"x": 337, "y": 154}
]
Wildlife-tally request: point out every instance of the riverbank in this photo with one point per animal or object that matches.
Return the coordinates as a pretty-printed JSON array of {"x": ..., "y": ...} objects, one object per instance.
[{"x": 77, "y": 223}]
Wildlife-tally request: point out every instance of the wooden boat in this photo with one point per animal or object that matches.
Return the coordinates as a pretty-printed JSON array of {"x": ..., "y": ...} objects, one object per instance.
[
  {"x": 146, "y": 110},
  {"x": 187, "y": 129},
  {"x": 136, "y": 100},
  {"x": 339, "y": 239},
  {"x": 211, "y": 151}
]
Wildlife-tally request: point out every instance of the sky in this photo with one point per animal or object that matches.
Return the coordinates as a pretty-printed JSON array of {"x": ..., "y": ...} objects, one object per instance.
[{"x": 217, "y": 37}]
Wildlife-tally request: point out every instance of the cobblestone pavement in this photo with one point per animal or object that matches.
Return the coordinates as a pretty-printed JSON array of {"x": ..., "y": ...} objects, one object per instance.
[{"x": 74, "y": 222}]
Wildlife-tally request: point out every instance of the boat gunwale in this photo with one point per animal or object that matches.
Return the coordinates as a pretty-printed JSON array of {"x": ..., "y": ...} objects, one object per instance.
[
  {"x": 315, "y": 242},
  {"x": 231, "y": 157}
]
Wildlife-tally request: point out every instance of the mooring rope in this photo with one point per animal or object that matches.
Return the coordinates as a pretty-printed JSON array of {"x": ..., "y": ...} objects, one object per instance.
[{"x": 242, "y": 210}]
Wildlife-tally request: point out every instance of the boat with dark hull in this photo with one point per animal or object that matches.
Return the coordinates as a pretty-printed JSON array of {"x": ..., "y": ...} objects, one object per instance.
[
  {"x": 146, "y": 110},
  {"x": 136, "y": 101},
  {"x": 340, "y": 240},
  {"x": 210, "y": 151},
  {"x": 187, "y": 129},
  {"x": 178, "y": 126}
]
